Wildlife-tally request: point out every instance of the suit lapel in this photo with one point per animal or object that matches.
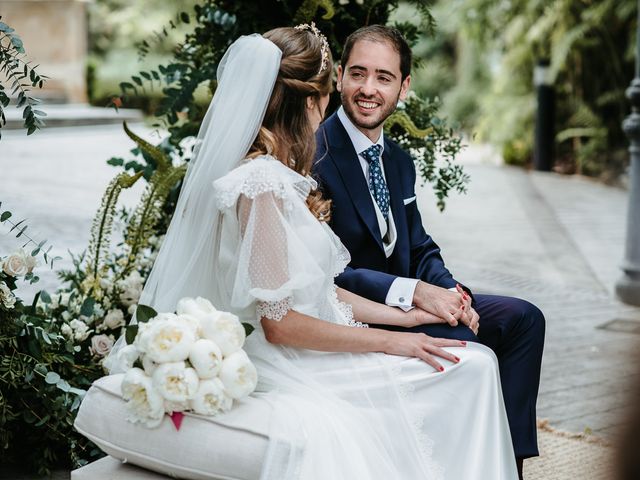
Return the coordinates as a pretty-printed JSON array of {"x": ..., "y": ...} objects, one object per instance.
[
  {"x": 345, "y": 158},
  {"x": 394, "y": 184},
  {"x": 393, "y": 176}
]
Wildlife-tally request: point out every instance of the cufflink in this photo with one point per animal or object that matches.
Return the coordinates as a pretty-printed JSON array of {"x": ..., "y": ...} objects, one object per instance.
[{"x": 401, "y": 299}]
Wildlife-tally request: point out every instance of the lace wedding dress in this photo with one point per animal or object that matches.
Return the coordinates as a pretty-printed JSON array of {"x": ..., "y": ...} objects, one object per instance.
[{"x": 342, "y": 415}]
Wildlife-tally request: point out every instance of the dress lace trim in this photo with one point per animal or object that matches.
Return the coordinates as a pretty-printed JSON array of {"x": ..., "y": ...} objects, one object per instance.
[
  {"x": 273, "y": 310},
  {"x": 261, "y": 175},
  {"x": 416, "y": 419},
  {"x": 346, "y": 311}
]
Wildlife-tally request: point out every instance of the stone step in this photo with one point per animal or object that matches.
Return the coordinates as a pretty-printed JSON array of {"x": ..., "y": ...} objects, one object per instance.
[{"x": 66, "y": 115}]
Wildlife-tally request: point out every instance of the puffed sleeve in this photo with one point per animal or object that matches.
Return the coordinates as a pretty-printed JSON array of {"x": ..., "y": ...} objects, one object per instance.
[{"x": 274, "y": 263}]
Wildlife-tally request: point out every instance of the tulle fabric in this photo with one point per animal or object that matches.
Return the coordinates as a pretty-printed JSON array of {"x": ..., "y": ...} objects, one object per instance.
[{"x": 341, "y": 415}]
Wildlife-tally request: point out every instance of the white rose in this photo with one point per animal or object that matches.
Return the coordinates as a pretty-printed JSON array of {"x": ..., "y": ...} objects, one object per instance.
[
  {"x": 7, "y": 298},
  {"x": 175, "y": 382},
  {"x": 114, "y": 318},
  {"x": 18, "y": 264},
  {"x": 80, "y": 330},
  {"x": 131, "y": 288},
  {"x": 64, "y": 299},
  {"x": 206, "y": 358},
  {"x": 132, "y": 309},
  {"x": 126, "y": 357},
  {"x": 130, "y": 296},
  {"x": 145, "y": 405},
  {"x": 167, "y": 340},
  {"x": 238, "y": 375},
  {"x": 55, "y": 302},
  {"x": 210, "y": 398},
  {"x": 225, "y": 330},
  {"x": 101, "y": 345},
  {"x": 66, "y": 331}
]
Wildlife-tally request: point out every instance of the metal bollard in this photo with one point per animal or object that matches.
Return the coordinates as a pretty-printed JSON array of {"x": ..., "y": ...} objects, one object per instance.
[{"x": 543, "y": 149}]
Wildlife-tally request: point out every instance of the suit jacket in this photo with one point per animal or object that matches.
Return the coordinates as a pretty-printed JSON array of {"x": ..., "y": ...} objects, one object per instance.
[{"x": 370, "y": 274}]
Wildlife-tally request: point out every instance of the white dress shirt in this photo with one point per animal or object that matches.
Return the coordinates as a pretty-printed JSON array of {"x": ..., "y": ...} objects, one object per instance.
[{"x": 401, "y": 292}]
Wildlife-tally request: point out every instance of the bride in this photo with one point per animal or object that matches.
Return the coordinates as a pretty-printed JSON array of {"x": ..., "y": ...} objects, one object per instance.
[{"x": 250, "y": 233}]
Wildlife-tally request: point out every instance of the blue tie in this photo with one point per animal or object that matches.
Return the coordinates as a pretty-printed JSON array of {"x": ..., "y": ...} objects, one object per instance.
[{"x": 377, "y": 184}]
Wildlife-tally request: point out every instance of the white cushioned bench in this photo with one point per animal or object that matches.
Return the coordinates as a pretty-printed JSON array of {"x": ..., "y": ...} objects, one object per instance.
[{"x": 231, "y": 446}]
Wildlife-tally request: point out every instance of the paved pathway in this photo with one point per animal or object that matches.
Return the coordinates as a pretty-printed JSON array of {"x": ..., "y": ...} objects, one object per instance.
[{"x": 554, "y": 240}]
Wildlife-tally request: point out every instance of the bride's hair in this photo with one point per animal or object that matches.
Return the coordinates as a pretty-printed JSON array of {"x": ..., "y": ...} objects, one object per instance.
[{"x": 286, "y": 132}]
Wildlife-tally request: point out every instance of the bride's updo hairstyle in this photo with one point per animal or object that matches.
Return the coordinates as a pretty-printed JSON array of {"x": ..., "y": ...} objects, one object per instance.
[{"x": 286, "y": 133}]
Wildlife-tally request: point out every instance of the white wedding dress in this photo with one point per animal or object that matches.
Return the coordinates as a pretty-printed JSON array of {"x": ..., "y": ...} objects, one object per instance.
[{"x": 342, "y": 415}]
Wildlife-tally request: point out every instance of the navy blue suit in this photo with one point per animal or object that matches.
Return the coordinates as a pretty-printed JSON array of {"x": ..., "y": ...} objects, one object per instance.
[{"x": 512, "y": 328}]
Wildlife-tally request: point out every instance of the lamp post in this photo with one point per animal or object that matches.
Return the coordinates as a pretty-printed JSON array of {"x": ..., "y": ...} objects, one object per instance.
[
  {"x": 628, "y": 286},
  {"x": 545, "y": 117}
]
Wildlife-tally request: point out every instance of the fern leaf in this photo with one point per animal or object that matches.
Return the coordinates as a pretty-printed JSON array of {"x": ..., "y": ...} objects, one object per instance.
[
  {"x": 401, "y": 119},
  {"x": 162, "y": 159}
]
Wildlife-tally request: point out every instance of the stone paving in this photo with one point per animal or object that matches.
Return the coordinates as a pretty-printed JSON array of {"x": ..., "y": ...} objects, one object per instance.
[{"x": 554, "y": 240}]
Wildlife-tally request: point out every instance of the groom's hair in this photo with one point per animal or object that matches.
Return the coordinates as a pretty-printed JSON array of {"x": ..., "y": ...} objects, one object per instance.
[{"x": 380, "y": 34}]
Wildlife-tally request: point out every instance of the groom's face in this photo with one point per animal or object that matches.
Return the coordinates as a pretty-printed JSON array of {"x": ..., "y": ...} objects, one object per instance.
[{"x": 371, "y": 85}]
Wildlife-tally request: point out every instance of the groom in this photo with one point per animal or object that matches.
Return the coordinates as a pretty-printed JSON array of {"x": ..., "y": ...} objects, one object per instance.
[{"x": 393, "y": 260}]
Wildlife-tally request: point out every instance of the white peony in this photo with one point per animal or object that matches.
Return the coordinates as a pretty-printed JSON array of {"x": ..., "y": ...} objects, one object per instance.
[
  {"x": 126, "y": 357},
  {"x": 192, "y": 322},
  {"x": 171, "y": 407},
  {"x": 206, "y": 358},
  {"x": 197, "y": 307},
  {"x": 114, "y": 318},
  {"x": 238, "y": 375},
  {"x": 7, "y": 298},
  {"x": 148, "y": 365},
  {"x": 175, "y": 382},
  {"x": 101, "y": 345},
  {"x": 166, "y": 340},
  {"x": 143, "y": 402},
  {"x": 225, "y": 330},
  {"x": 210, "y": 398},
  {"x": 18, "y": 263}
]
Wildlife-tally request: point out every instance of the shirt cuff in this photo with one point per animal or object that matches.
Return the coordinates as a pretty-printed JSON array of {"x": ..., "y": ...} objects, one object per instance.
[{"x": 401, "y": 292}]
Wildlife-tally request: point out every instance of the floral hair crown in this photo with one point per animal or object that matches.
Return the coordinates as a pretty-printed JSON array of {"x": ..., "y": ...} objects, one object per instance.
[{"x": 324, "y": 49}]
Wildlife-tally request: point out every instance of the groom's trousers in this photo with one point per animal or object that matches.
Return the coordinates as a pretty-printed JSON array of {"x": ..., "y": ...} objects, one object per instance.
[{"x": 514, "y": 330}]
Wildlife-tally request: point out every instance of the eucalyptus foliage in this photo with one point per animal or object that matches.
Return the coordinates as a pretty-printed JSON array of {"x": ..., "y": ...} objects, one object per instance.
[
  {"x": 37, "y": 403},
  {"x": 21, "y": 76}
]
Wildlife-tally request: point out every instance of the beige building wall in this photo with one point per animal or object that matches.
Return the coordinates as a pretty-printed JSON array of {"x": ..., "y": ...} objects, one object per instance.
[{"x": 54, "y": 33}]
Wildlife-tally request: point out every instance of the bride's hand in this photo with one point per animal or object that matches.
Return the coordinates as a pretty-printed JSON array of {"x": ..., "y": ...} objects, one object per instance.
[
  {"x": 417, "y": 316},
  {"x": 422, "y": 346}
]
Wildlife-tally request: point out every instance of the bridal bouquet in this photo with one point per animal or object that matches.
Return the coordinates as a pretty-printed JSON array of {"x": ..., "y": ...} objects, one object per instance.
[{"x": 191, "y": 360}]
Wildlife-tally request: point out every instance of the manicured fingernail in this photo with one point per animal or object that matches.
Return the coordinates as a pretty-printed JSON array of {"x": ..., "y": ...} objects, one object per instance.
[
  {"x": 462, "y": 307},
  {"x": 463, "y": 342},
  {"x": 457, "y": 359},
  {"x": 441, "y": 369}
]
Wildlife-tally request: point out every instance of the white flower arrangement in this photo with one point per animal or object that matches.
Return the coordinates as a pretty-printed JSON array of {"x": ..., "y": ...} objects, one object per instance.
[{"x": 191, "y": 360}]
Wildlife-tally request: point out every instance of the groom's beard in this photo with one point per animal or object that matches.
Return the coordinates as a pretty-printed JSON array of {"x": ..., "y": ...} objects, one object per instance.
[{"x": 367, "y": 123}]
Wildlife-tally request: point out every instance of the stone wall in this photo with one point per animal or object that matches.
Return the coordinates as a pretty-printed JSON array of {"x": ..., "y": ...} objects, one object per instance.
[{"x": 54, "y": 33}]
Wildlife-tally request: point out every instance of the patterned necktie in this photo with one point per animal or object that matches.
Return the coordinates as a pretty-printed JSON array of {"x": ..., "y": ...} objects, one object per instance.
[{"x": 377, "y": 184}]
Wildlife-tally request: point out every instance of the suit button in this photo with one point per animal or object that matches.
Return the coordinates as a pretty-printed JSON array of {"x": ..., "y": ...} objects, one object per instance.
[{"x": 401, "y": 299}]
